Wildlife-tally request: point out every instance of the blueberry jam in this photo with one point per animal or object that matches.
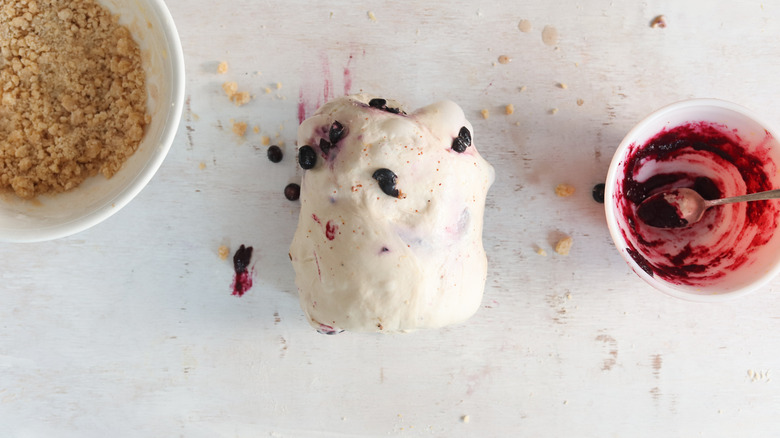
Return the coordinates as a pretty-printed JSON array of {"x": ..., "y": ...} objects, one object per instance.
[
  {"x": 657, "y": 211},
  {"x": 386, "y": 179},
  {"x": 307, "y": 158},
  {"x": 715, "y": 162},
  {"x": 462, "y": 141},
  {"x": 242, "y": 281}
]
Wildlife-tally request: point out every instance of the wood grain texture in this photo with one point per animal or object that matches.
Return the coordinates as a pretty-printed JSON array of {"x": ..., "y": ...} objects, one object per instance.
[{"x": 130, "y": 329}]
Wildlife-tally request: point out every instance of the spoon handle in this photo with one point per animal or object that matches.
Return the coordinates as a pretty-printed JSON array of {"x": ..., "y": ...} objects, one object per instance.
[{"x": 760, "y": 196}]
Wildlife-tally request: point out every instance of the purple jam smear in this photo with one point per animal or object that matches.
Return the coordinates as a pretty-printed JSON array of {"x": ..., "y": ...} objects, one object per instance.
[
  {"x": 658, "y": 212},
  {"x": 242, "y": 281},
  {"x": 692, "y": 256}
]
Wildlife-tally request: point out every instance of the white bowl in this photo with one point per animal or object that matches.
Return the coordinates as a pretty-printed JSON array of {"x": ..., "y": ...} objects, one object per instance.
[
  {"x": 743, "y": 267},
  {"x": 97, "y": 198}
]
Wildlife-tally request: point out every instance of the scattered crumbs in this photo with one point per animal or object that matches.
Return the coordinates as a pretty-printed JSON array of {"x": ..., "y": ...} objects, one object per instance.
[
  {"x": 201, "y": 165},
  {"x": 566, "y": 402},
  {"x": 223, "y": 252},
  {"x": 523, "y": 88},
  {"x": 564, "y": 190},
  {"x": 524, "y": 26},
  {"x": 503, "y": 59},
  {"x": 756, "y": 376},
  {"x": 267, "y": 90},
  {"x": 231, "y": 88},
  {"x": 485, "y": 113},
  {"x": 553, "y": 111},
  {"x": 278, "y": 85},
  {"x": 509, "y": 109},
  {"x": 564, "y": 246},
  {"x": 568, "y": 295},
  {"x": 562, "y": 86},
  {"x": 580, "y": 102},
  {"x": 550, "y": 35},
  {"x": 222, "y": 68},
  {"x": 265, "y": 140},
  {"x": 541, "y": 251},
  {"x": 658, "y": 21},
  {"x": 241, "y": 98},
  {"x": 371, "y": 16},
  {"x": 195, "y": 117},
  {"x": 256, "y": 129},
  {"x": 465, "y": 418},
  {"x": 239, "y": 128}
]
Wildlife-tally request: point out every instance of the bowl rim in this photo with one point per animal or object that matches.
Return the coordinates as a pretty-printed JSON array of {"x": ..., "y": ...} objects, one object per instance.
[
  {"x": 135, "y": 185},
  {"x": 610, "y": 211}
]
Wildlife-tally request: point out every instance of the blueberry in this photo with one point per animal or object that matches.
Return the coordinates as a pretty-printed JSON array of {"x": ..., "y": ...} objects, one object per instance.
[
  {"x": 336, "y": 132},
  {"x": 275, "y": 154},
  {"x": 598, "y": 193},
  {"x": 292, "y": 192},
  {"x": 307, "y": 158},
  {"x": 382, "y": 104},
  {"x": 377, "y": 103},
  {"x": 325, "y": 146},
  {"x": 241, "y": 259},
  {"x": 462, "y": 141},
  {"x": 386, "y": 179}
]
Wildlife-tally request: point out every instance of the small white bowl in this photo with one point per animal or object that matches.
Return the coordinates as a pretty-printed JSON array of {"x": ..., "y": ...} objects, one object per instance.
[
  {"x": 721, "y": 263},
  {"x": 97, "y": 198}
]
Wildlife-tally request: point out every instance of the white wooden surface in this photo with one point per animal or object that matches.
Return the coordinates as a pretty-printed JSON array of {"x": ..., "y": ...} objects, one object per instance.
[{"x": 130, "y": 329}]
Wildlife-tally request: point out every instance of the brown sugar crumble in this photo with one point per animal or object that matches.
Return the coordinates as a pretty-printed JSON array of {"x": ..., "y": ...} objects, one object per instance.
[
  {"x": 72, "y": 95},
  {"x": 237, "y": 97},
  {"x": 563, "y": 247},
  {"x": 658, "y": 21},
  {"x": 239, "y": 128},
  {"x": 564, "y": 190}
]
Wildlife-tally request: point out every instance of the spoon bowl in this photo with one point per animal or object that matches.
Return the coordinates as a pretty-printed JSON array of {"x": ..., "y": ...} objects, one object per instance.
[{"x": 682, "y": 207}]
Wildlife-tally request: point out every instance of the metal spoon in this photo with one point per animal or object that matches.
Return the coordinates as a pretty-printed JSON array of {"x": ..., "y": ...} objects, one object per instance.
[{"x": 677, "y": 208}]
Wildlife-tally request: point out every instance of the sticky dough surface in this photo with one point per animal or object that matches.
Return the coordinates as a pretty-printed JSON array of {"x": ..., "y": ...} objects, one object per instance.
[{"x": 368, "y": 261}]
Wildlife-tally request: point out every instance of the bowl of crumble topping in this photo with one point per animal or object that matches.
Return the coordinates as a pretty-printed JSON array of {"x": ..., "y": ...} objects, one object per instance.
[{"x": 91, "y": 95}]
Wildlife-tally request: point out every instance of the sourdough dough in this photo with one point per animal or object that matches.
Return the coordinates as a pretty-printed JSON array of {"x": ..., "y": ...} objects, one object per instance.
[{"x": 375, "y": 254}]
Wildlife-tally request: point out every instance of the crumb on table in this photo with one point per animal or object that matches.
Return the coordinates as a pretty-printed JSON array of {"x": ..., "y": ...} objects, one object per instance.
[
  {"x": 485, "y": 113},
  {"x": 509, "y": 109},
  {"x": 241, "y": 98},
  {"x": 239, "y": 128},
  {"x": 223, "y": 252},
  {"x": 658, "y": 21},
  {"x": 541, "y": 251},
  {"x": 230, "y": 88},
  {"x": 564, "y": 190},
  {"x": 564, "y": 245},
  {"x": 222, "y": 68}
]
